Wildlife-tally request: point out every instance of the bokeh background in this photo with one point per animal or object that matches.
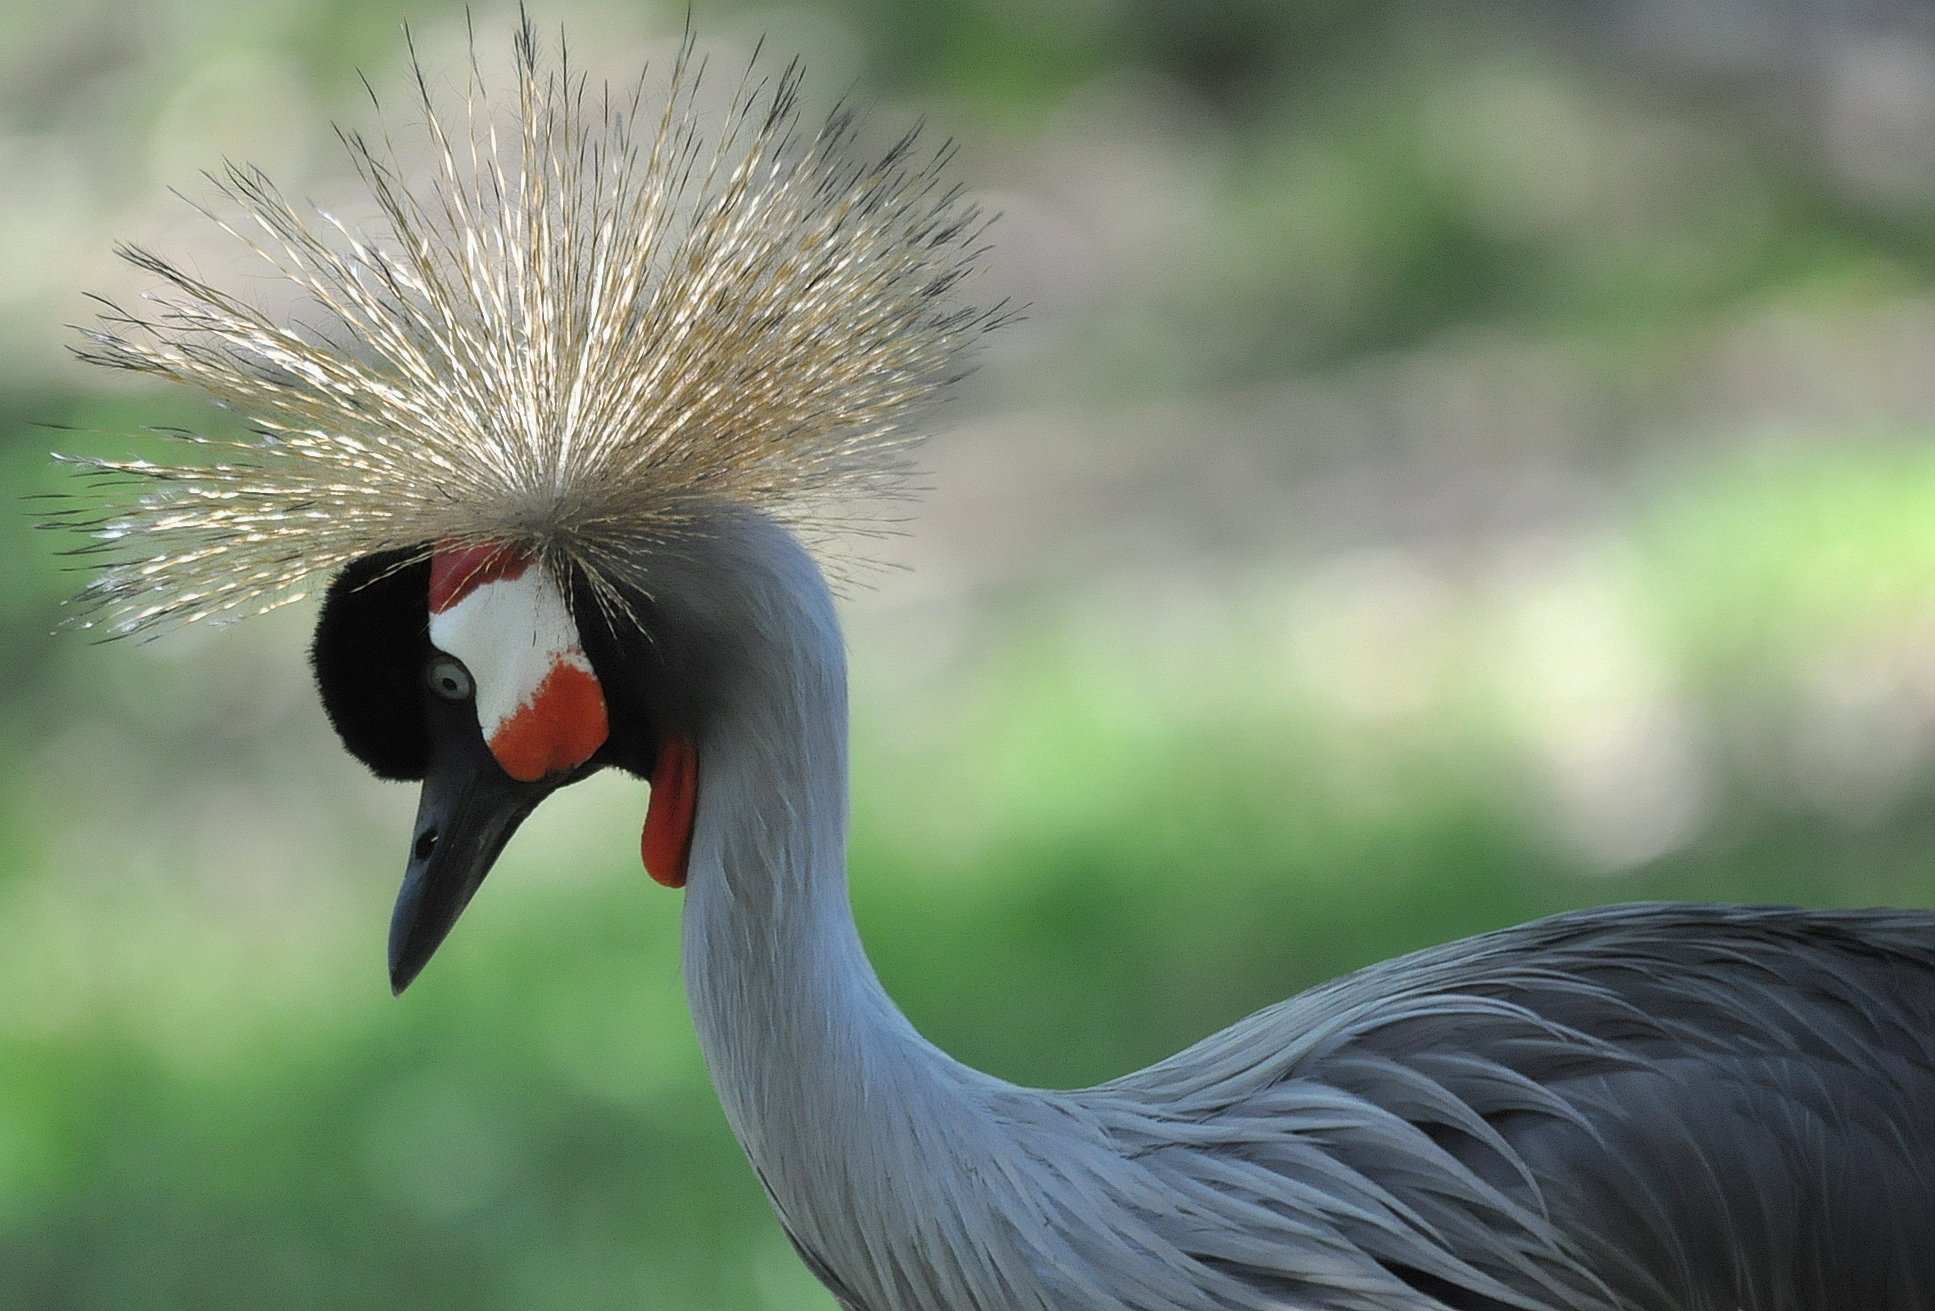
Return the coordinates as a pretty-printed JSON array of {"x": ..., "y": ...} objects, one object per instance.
[{"x": 1458, "y": 463}]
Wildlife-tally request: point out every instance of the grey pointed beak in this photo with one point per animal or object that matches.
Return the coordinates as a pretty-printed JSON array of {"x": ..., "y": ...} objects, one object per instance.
[{"x": 468, "y": 811}]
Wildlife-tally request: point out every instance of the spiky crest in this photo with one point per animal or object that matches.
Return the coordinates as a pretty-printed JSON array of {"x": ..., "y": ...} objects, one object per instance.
[{"x": 591, "y": 320}]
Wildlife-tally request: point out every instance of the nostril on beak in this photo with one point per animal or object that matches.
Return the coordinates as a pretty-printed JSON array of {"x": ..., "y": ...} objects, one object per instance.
[{"x": 426, "y": 843}]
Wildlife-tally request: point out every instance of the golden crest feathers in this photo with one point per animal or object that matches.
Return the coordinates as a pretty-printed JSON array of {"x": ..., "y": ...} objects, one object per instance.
[{"x": 591, "y": 319}]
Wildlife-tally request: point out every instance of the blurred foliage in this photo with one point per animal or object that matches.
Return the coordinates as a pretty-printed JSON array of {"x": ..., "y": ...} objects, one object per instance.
[{"x": 1105, "y": 802}]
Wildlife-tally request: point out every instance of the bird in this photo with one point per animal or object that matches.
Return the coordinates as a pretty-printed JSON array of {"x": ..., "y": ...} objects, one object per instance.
[{"x": 577, "y": 436}]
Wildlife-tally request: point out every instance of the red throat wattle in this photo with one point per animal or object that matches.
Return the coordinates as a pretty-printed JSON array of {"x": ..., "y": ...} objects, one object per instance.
[{"x": 667, "y": 842}]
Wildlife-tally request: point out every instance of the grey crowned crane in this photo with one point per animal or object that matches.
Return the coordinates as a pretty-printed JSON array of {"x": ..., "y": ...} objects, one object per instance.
[{"x": 560, "y": 424}]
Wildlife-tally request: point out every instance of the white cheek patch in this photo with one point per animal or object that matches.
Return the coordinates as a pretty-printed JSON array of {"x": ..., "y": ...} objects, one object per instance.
[{"x": 538, "y": 702}]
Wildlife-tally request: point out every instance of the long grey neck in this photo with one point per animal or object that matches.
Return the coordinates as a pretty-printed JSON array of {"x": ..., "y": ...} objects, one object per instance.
[{"x": 828, "y": 1087}]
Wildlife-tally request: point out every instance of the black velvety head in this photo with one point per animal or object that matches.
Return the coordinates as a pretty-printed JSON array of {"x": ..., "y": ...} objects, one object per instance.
[{"x": 372, "y": 640}]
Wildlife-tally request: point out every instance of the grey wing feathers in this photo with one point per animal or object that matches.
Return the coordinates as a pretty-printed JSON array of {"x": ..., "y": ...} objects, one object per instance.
[{"x": 1649, "y": 1108}]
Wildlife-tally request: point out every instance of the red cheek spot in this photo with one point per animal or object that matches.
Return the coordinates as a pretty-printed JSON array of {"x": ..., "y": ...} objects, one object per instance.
[
  {"x": 667, "y": 843},
  {"x": 456, "y": 572},
  {"x": 556, "y": 730}
]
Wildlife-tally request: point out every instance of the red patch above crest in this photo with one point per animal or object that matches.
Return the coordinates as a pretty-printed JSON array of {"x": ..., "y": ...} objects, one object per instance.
[{"x": 456, "y": 572}]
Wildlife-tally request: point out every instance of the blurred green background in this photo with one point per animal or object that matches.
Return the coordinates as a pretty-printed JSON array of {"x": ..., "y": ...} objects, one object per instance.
[{"x": 1457, "y": 464}]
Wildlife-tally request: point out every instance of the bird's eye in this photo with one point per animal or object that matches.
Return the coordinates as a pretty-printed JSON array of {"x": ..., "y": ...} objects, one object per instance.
[{"x": 448, "y": 678}]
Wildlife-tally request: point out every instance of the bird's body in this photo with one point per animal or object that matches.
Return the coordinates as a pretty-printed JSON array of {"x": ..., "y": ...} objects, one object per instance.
[
  {"x": 554, "y": 439},
  {"x": 1645, "y": 1108},
  {"x": 1496, "y": 1123}
]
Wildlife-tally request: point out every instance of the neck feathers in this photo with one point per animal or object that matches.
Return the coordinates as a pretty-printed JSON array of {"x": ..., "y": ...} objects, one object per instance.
[
  {"x": 907, "y": 1181},
  {"x": 836, "y": 1099},
  {"x": 771, "y": 953}
]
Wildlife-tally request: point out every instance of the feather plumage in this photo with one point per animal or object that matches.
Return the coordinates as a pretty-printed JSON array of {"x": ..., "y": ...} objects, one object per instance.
[
  {"x": 593, "y": 318},
  {"x": 1641, "y": 1108}
]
